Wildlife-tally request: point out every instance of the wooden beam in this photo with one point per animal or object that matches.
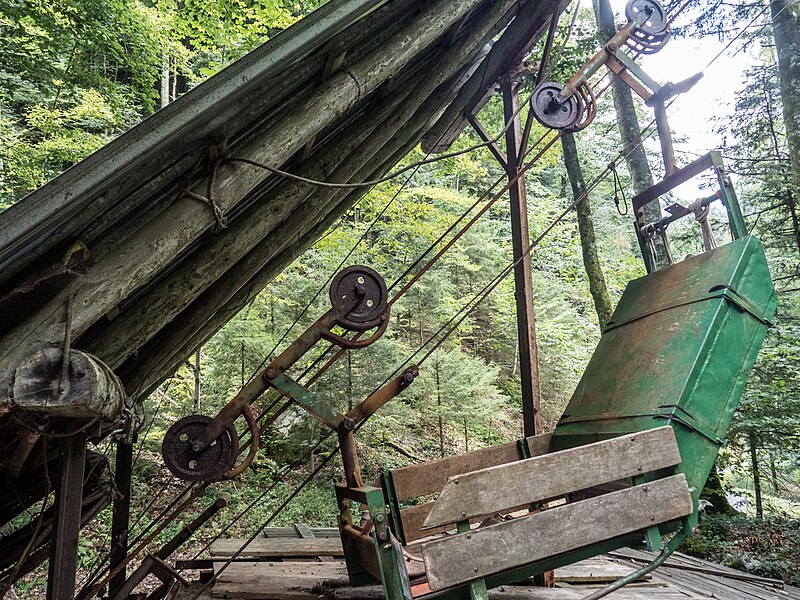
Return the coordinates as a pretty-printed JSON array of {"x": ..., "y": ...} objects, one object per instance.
[
  {"x": 503, "y": 487},
  {"x": 153, "y": 248},
  {"x": 379, "y": 154},
  {"x": 296, "y": 205},
  {"x": 462, "y": 558},
  {"x": 429, "y": 477},
  {"x": 278, "y": 547}
]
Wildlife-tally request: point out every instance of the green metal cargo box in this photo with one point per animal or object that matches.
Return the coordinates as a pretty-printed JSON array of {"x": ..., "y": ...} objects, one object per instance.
[{"x": 678, "y": 350}]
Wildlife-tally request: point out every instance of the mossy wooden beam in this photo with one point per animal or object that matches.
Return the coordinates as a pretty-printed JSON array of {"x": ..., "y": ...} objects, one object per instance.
[
  {"x": 297, "y": 205},
  {"x": 153, "y": 248}
]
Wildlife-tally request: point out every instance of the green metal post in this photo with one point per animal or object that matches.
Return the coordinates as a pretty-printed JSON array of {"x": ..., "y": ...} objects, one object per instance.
[
  {"x": 389, "y": 553},
  {"x": 729, "y": 199}
]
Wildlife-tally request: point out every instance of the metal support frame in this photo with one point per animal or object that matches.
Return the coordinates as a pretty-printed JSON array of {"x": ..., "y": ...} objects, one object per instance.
[
  {"x": 69, "y": 494},
  {"x": 523, "y": 284},
  {"x": 120, "y": 519},
  {"x": 726, "y": 193}
]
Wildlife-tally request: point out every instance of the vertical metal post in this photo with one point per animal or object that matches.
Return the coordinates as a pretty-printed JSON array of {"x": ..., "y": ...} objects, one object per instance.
[
  {"x": 69, "y": 496},
  {"x": 664, "y": 138},
  {"x": 120, "y": 519},
  {"x": 523, "y": 287}
]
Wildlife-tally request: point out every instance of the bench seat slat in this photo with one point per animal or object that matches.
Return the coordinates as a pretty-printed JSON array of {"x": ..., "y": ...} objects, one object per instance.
[
  {"x": 457, "y": 559},
  {"x": 429, "y": 477},
  {"x": 503, "y": 487}
]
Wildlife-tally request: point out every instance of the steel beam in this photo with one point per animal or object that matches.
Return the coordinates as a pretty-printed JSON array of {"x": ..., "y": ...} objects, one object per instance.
[
  {"x": 523, "y": 286},
  {"x": 121, "y": 515},
  {"x": 69, "y": 494}
]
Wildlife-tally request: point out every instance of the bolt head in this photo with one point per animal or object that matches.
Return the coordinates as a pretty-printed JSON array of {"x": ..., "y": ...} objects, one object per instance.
[
  {"x": 271, "y": 373},
  {"x": 379, "y": 518}
]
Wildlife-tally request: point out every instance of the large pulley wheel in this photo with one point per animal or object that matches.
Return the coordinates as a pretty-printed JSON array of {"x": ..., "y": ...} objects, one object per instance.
[
  {"x": 657, "y": 22},
  {"x": 209, "y": 464},
  {"x": 367, "y": 287},
  {"x": 552, "y": 113}
]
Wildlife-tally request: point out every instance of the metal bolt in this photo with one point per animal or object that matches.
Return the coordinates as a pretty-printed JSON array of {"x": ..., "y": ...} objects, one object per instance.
[
  {"x": 382, "y": 536},
  {"x": 379, "y": 518},
  {"x": 612, "y": 47},
  {"x": 639, "y": 469},
  {"x": 349, "y": 424},
  {"x": 455, "y": 481},
  {"x": 652, "y": 517},
  {"x": 645, "y": 488},
  {"x": 271, "y": 373},
  {"x": 469, "y": 536},
  {"x": 474, "y": 569},
  {"x": 463, "y": 514}
]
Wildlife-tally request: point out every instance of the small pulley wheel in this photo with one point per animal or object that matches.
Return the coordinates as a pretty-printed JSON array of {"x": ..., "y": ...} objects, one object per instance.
[
  {"x": 657, "y": 21},
  {"x": 209, "y": 464},
  {"x": 369, "y": 289},
  {"x": 552, "y": 113}
]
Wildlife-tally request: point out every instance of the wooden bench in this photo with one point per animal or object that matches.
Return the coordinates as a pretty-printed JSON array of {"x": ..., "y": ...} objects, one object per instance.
[
  {"x": 417, "y": 481},
  {"x": 472, "y": 555}
]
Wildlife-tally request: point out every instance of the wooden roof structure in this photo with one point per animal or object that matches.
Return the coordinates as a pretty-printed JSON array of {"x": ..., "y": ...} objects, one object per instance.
[{"x": 141, "y": 252}]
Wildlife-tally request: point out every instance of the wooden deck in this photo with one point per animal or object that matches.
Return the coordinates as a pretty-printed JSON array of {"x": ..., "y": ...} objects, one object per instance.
[{"x": 304, "y": 563}]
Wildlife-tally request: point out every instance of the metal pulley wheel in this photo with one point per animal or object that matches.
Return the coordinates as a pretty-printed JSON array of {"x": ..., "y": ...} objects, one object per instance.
[
  {"x": 657, "y": 23},
  {"x": 552, "y": 113},
  {"x": 368, "y": 287},
  {"x": 642, "y": 43},
  {"x": 209, "y": 464}
]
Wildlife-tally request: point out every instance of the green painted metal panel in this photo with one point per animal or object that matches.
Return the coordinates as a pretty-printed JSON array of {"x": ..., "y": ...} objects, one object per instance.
[{"x": 678, "y": 349}]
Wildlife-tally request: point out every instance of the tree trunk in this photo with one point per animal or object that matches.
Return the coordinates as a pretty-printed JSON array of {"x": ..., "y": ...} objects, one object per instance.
[
  {"x": 756, "y": 476},
  {"x": 165, "y": 81},
  {"x": 591, "y": 261},
  {"x": 786, "y": 30},
  {"x": 774, "y": 473},
  {"x": 714, "y": 493},
  {"x": 629, "y": 128}
]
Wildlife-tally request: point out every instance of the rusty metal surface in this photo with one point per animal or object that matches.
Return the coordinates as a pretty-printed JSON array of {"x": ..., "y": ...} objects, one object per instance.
[{"x": 677, "y": 351}]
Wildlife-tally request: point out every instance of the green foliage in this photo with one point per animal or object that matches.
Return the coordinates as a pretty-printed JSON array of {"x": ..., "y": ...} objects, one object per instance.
[{"x": 763, "y": 547}]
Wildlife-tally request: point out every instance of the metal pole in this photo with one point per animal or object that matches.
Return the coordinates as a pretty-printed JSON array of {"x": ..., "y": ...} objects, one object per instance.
[
  {"x": 121, "y": 516},
  {"x": 64, "y": 549},
  {"x": 523, "y": 287}
]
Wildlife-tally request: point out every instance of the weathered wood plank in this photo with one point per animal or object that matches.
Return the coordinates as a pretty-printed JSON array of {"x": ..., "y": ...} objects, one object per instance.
[
  {"x": 389, "y": 140},
  {"x": 259, "y": 569},
  {"x": 580, "y": 592},
  {"x": 458, "y": 559},
  {"x": 153, "y": 248},
  {"x": 412, "y": 518},
  {"x": 429, "y": 477},
  {"x": 595, "y": 570},
  {"x": 264, "y": 547},
  {"x": 502, "y": 487}
]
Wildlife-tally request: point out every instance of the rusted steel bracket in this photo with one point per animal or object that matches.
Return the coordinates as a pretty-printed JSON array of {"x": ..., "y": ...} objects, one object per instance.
[
  {"x": 573, "y": 106},
  {"x": 725, "y": 193},
  {"x": 199, "y": 448}
]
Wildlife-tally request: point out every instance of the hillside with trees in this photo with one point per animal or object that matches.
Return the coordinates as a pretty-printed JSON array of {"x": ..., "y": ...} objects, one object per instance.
[{"x": 76, "y": 74}]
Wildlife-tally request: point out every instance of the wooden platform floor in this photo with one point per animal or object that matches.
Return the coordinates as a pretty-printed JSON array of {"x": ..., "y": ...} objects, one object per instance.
[{"x": 308, "y": 567}]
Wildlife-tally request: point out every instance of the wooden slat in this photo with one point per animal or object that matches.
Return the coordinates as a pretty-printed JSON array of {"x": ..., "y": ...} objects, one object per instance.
[
  {"x": 503, "y": 487},
  {"x": 460, "y": 558},
  {"x": 595, "y": 571},
  {"x": 428, "y": 478},
  {"x": 277, "y": 547},
  {"x": 412, "y": 518},
  {"x": 275, "y": 581}
]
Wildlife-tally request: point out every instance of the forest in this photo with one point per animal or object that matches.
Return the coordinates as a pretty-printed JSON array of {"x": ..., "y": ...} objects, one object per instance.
[{"x": 77, "y": 73}]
